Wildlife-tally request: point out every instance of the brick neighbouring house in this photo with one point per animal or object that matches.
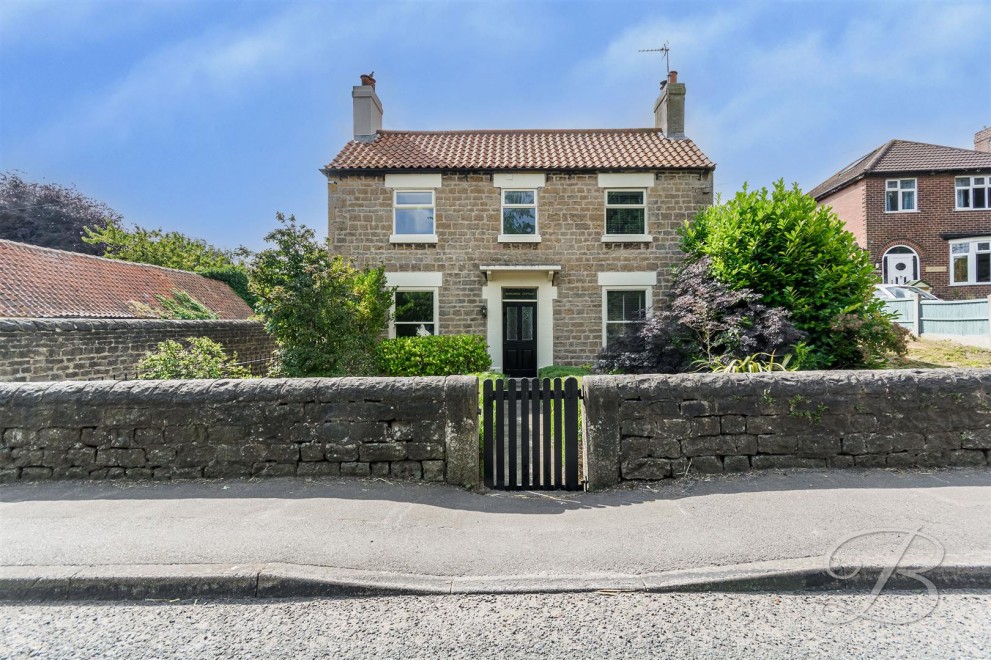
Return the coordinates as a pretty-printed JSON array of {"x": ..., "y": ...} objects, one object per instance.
[
  {"x": 915, "y": 208},
  {"x": 543, "y": 241}
]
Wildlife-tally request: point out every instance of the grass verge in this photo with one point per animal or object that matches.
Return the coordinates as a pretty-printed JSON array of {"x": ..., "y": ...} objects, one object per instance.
[{"x": 930, "y": 354}]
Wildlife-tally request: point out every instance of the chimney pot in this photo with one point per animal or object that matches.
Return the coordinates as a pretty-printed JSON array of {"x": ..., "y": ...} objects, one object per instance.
[
  {"x": 367, "y": 79},
  {"x": 672, "y": 76}
]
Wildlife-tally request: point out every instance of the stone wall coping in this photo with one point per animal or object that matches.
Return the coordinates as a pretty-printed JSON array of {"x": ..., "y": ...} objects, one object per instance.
[{"x": 16, "y": 324}]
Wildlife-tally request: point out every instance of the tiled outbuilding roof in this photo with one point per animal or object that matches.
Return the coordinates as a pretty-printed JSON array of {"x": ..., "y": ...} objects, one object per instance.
[
  {"x": 904, "y": 157},
  {"x": 566, "y": 149},
  {"x": 40, "y": 282}
]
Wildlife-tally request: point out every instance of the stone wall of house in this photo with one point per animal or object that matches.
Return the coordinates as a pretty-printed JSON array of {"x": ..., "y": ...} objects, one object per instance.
[
  {"x": 922, "y": 230},
  {"x": 407, "y": 428},
  {"x": 656, "y": 427},
  {"x": 571, "y": 219},
  {"x": 89, "y": 349}
]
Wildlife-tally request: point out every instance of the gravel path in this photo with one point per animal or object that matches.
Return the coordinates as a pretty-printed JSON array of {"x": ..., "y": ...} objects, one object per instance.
[{"x": 574, "y": 625}]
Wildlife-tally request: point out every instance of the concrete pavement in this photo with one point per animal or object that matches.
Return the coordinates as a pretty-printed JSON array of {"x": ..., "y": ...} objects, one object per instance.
[{"x": 338, "y": 536}]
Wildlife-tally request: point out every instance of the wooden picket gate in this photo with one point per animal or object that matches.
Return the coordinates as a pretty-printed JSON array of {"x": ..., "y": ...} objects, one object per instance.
[{"x": 530, "y": 434}]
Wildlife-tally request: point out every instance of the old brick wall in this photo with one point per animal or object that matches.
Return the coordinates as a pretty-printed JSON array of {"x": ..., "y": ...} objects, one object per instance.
[
  {"x": 411, "y": 428},
  {"x": 656, "y": 427},
  {"x": 571, "y": 219},
  {"x": 86, "y": 349},
  {"x": 921, "y": 230}
]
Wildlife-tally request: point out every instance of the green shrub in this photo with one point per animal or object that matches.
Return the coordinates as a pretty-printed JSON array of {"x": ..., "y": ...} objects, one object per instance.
[
  {"x": 442, "y": 355},
  {"x": 236, "y": 277},
  {"x": 798, "y": 257},
  {"x": 326, "y": 315},
  {"x": 201, "y": 358}
]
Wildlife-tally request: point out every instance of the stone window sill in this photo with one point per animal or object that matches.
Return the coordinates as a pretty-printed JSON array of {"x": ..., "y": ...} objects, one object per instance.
[
  {"x": 627, "y": 238},
  {"x": 519, "y": 238},
  {"x": 413, "y": 238}
]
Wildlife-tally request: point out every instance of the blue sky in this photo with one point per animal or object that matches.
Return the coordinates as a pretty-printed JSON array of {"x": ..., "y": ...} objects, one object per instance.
[{"x": 208, "y": 117}]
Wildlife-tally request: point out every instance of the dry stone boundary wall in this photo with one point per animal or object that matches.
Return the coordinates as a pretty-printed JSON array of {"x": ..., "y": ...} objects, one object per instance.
[
  {"x": 33, "y": 350},
  {"x": 407, "y": 428},
  {"x": 657, "y": 427}
]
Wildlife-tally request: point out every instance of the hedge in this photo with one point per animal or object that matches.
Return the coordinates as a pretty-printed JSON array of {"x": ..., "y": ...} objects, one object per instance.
[{"x": 442, "y": 355}]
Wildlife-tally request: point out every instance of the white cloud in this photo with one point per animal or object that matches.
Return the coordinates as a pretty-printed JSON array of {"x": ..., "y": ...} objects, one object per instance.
[
  {"x": 691, "y": 39},
  {"x": 192, "y": 75},
  {"x": 779, "y": 91}
]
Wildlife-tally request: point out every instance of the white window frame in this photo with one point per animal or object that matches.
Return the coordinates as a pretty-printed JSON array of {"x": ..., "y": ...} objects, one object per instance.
[
  {"x": 519, "y": 238},
  {"x": 643, "y": 237},
  {"x": 901, "y": 192},
  {"x": 648, "y": 305},
  {"x": 971, "y": 257},
  {"x": 412, "y": 289},
  {"x": 970, "y": 187},
  {"x": 413, "y": 238}
]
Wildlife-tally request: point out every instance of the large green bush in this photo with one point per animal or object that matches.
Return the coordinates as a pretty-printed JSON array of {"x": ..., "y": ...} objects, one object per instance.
[
  {"x": 326, "y": 315},
  {"x": 441, "y": 355},
  {"x": 799, "y": 257},
  {"x": 200, "y": 358}
]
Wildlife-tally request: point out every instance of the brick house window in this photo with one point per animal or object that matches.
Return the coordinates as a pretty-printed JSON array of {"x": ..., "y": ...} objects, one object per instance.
[
  {"x": 899, "y": 195},
  {"x": 626, "y": 212},
  {"x": 414, "y": 213},
  {"x": 973, "y": 192},
  {"x": 519, "y": 212},
  {"x": 970, "y": 261},
  {"x": 415, "y": 313},
  {"x": 621, "y": 308}
]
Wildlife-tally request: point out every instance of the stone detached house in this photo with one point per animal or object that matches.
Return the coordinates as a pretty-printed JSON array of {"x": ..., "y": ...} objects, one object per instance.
[
  {"x": 546, "y": 242},
  {"x": 923, "y": 211}
]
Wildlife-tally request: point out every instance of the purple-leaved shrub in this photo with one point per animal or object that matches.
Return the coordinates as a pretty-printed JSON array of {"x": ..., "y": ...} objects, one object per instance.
[{"x": 706, "y": 322}]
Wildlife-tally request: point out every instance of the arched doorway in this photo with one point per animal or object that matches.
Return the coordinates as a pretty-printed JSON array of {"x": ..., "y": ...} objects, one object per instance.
[{"x": 900, "y": 265}]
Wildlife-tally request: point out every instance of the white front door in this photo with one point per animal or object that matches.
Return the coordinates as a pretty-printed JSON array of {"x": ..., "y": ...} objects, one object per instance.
[{"x": 900, "y": 268}]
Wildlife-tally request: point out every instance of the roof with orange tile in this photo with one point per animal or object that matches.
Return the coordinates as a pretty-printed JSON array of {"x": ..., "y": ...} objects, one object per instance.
[
  {"x": 39, "y": 282},
  {"x": 564, "y": 149}
]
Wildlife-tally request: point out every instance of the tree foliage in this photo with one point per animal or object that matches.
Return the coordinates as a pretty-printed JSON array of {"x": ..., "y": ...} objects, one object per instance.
[
  {"x": 200, "y": 358},
  {"x": 173, "y": 250},
  {"x": 157, "y": 247},
  {"x": 326, "y": 315},
  {"x": 798, "y": 257},
  {"x": 50, "y": 215},
  {"x": 707, "y": 325},
  {"x": 236, "y": 277}
]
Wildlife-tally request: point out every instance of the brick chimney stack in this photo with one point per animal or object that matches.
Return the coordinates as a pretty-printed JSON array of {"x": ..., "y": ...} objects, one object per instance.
[
  {"x": 982, "y": 140},
  {"x": 669, "y": 108},
  {"x": 367, "y": 109}
]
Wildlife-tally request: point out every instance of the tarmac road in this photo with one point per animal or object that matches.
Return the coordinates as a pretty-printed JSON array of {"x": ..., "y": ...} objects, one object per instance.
[{"x": 592, "y": 625}]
